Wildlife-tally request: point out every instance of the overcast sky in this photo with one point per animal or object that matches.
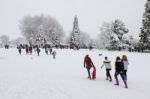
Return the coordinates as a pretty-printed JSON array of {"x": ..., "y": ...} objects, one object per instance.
[{"x": 91, "y": 14}]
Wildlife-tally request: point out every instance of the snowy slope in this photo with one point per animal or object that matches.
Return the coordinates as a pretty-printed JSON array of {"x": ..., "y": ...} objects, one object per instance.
[{"x": 42, "y": 77}]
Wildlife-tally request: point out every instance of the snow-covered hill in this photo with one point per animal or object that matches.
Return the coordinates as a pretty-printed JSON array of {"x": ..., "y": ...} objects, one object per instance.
[{"x": 42, "y": 77}]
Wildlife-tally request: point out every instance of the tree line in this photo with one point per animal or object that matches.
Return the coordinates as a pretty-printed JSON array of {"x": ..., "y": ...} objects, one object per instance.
[{"x": 41, "y": 30}]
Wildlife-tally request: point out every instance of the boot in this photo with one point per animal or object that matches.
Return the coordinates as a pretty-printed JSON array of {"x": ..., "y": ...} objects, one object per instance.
[
  {"x": 89, "y": 77},
  {"x": 126, "y": 77},
  {"x": 125, "y": 83},
  {"x": 110, "y": 78},
  {"x": 117, "y": 82}
]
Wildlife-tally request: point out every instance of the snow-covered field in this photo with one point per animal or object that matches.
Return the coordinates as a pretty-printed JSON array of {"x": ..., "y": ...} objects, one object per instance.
[{"x": 42, "y": 77}]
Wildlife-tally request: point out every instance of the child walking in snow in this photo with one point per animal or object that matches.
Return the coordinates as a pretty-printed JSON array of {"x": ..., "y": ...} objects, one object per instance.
[
  {"x": 54, "y": 54},
  {"x": 107, "y": 65}
]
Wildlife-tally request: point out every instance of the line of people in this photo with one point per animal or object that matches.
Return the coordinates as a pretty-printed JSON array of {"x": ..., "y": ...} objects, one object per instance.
[
  {"x": 29, "y": 50},
  {"x": 121, "y": 67}
]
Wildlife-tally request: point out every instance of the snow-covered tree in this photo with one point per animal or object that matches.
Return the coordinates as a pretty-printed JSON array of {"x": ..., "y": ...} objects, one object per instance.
[
  {"x": 111, "y": 35},
  {"x": 92, "y": 44},
  {"x": 84, "y": 40},
  {"x": 119, "y": 29},
  {"x": 16, "y": 42},
  {"x": 41, "y": 29},
  {"x": 105, "y": 35},
  {"x": 107, "y": 38},
  {"x": 4, "y": 39},
  {"x": 75, "y": 34},
  {"x": 145, "y": 29},
  {"x": 131, "y": 41}
]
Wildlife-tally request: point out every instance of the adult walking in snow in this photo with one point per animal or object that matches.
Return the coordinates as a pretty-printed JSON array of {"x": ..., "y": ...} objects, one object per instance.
[
  {"x": 88, "y": 64},
  {"x": 30, "y": 49},
  {"x": 107, "y": 64},
  {"x": 125, "y": 63},
  {"x": 19, "y": 49},
  {"x": 38, "y": 51},
  {"x": 27, "y": 49},
  {"x": 54, "y": 54},
  {"x": 119, "y": 68},
  {"x": 50, "y": 51},
  {"x": 46, "y": 50}
]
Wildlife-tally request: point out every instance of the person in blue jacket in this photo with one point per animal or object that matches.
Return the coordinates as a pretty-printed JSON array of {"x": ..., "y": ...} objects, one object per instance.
[{"x": 125, "y": 63}]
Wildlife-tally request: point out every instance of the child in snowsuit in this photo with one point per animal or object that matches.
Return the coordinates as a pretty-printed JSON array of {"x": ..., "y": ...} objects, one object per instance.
[
  {"x": 107, "y": 65},
  {"x": 46, "y": 50},
  {"x": 119, "y": 70},
  {"x": 88, "y": 64},
  {"x": 54, "y": 54}
]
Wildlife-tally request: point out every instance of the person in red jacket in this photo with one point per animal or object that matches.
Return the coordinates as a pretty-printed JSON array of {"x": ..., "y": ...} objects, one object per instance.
[{"x": 88, "y": 64}]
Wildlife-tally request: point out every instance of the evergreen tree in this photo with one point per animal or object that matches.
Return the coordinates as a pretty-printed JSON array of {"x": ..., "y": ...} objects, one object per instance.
[
  {"x": 145, "y": 29},
  {"x": 75, "y": 35}
]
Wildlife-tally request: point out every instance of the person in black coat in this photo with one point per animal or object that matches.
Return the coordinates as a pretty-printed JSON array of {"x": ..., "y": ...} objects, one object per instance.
[
  {"x": 119, "y": 67},
  {"x": 38, "y": 51},
  {"x": 19, "y": 49}
]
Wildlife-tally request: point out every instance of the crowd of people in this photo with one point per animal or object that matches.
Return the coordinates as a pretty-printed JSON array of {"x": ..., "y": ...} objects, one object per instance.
[
  {"x": 121, "y": 67},
  {"x": 37, "y": 49},
  {"x": 121, "y": 64}
]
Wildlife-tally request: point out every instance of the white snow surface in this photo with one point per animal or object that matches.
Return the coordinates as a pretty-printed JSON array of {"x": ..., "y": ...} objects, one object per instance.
[{"x": 42, "y": 77}]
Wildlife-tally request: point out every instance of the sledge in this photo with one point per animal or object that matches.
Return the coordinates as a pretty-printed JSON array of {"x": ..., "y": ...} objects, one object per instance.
[{"x": 94, "y": 73}]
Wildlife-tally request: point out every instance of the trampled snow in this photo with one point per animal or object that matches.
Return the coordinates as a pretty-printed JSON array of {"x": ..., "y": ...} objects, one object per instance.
[{"x": 42, "y": 77}]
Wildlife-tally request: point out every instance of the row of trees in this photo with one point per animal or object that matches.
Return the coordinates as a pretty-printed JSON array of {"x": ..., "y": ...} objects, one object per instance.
[
  {"x": 41, "y": 30},
  {"x": 5, "y": 40},
  {"x": 46, "y": 30},
  {"x": 113, "y": 35}
]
